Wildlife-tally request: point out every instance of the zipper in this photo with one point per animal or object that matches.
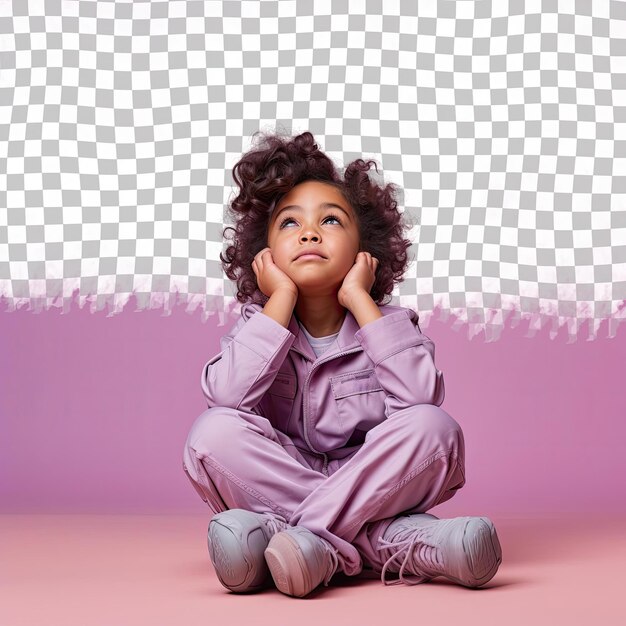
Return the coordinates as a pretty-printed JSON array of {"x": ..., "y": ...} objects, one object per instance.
[{"x": 306, "y": 400}]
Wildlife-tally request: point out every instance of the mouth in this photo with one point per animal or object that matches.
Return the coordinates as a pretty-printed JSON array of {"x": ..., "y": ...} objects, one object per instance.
[{"x": 309, "y": 256}]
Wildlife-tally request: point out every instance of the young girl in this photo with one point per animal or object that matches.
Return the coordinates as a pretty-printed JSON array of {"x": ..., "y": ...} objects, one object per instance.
[{"x": 324, "y": 443}]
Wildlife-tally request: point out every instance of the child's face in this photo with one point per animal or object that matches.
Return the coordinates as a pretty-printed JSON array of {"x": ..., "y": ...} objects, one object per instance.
[{"x": 311, "y": 226}]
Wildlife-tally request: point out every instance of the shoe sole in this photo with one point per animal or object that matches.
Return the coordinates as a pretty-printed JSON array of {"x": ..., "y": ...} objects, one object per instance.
[
  {"x": 287, "y": 566},
  {"x": 479, "y": 548}
]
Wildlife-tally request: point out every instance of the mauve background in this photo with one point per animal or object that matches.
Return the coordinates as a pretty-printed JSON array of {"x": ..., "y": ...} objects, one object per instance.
[{"x": 95, "y": 411}]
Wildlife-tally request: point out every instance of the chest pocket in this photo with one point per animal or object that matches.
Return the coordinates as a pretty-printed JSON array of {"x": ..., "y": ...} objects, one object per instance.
[
  {"x": 360, "y": 401},
  {"x": 280, "y": 399}
]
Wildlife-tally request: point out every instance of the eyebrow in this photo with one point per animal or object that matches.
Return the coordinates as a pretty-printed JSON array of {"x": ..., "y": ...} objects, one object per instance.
[{"x": 324, "y": 205}]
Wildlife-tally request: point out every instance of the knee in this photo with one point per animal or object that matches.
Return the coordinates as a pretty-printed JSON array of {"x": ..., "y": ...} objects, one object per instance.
[
  {"x": 429, "y": 422},
  {"x": 212, "y": 431}
]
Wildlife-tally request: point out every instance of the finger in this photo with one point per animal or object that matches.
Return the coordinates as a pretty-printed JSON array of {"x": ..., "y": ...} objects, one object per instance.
[{"x": 260, "y": 257}]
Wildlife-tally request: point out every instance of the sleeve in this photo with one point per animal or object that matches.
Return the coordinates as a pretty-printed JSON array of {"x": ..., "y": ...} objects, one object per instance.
[
  {"x": 251, "y": 355},
  {"x": 404, "y": 361}
]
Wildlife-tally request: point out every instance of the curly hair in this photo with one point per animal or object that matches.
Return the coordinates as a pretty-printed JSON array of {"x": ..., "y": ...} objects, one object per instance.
[{"x": 277, "y": 164}]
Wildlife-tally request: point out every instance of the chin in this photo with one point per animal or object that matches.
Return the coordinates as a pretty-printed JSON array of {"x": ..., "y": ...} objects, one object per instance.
[{"x": 314, "y": 286}]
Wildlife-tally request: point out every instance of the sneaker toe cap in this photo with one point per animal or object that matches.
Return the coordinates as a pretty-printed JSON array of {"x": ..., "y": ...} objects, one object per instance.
[
  {"x": 482, "y": 549},
  {"x": 237, "y": 556}
]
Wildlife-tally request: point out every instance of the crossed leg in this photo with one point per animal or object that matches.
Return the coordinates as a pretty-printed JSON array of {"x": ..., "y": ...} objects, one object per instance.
[{"x": 409, "y": 463}]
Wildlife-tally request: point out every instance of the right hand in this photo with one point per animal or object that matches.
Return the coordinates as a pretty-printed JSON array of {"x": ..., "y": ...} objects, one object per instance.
[{"x": 269, "y": 276}]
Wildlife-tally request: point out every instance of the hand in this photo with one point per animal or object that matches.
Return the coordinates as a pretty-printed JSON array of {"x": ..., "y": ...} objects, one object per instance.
[
  {"x": 269, "y": 276},
  {"x": 361, "y": 277}
]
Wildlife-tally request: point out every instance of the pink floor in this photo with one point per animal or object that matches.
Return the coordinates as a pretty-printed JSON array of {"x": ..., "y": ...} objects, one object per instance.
[{"x": 110, "y": 570}]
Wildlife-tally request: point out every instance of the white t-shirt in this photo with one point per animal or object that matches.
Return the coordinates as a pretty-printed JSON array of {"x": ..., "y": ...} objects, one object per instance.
[{"x": 319, "y": 344}]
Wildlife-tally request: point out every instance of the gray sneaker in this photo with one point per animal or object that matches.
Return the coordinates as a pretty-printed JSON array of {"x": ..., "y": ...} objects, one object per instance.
[
  {"x": 300, "y": 561},
  {"x": 466, "y": 550},
  {"x": 237, "y": 539}
]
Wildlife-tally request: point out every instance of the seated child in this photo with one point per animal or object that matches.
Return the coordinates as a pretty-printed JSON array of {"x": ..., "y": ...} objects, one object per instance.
[{"x": 324, "y": 443}]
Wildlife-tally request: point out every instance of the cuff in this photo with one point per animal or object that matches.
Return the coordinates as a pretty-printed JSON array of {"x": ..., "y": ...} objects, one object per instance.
[
  {"x": 264, "y": 336},
  {"x": 389, "y": 334}
]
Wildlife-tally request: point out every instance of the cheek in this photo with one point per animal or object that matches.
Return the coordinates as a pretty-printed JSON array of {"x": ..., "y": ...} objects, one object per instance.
[
  {"x": 347, "y": 258},
  {"x": 273, "y": 244},
  {"x": 280, "y": 255}
]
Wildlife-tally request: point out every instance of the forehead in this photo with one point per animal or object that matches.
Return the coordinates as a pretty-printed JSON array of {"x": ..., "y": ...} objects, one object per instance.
[{"x": 310, "y": 194}]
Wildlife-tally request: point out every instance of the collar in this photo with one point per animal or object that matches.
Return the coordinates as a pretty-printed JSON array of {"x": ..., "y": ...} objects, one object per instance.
[{"x": 345, "y": 340}]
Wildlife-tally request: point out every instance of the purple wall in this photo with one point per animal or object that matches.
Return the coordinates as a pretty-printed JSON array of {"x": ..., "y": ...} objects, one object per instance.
[{"x": 94, "y": 413}]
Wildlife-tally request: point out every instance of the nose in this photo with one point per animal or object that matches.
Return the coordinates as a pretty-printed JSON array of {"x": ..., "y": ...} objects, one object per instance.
[{"x": 309, "y": 234}]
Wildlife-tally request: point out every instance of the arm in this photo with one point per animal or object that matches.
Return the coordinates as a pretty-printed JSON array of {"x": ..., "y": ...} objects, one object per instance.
[
  {"x": 252, "y": 353},
  {"x": 280, "y": 306},
  {"x": 363, "y": 308},
  {"x": 404, "y": 358}
]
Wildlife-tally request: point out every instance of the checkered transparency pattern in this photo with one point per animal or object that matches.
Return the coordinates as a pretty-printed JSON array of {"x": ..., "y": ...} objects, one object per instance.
[{"x": 503, "y": 122}]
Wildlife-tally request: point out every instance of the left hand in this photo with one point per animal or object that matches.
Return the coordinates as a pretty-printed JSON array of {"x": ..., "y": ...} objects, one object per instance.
[{"x": 361, "y": 277}]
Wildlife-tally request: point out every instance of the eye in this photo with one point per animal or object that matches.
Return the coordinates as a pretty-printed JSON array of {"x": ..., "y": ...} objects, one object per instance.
[
  {"x": 334, "y": 217},
  {"x": 290, "y": 219}
]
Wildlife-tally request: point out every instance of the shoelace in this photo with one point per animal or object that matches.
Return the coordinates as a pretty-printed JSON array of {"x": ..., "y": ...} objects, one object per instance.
[
  {"x": 406, "y": 540},
  {"x": 273, "y": 522}
]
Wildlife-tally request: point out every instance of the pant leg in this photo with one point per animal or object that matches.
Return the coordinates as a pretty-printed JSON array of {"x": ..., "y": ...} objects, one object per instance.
[
  {"x": 408, "y": 464},
  {"x": 236, "y": 459}
]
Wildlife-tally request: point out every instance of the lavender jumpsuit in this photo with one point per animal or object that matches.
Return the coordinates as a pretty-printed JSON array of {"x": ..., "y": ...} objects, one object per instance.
[{"x": 340, "y": 443}]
